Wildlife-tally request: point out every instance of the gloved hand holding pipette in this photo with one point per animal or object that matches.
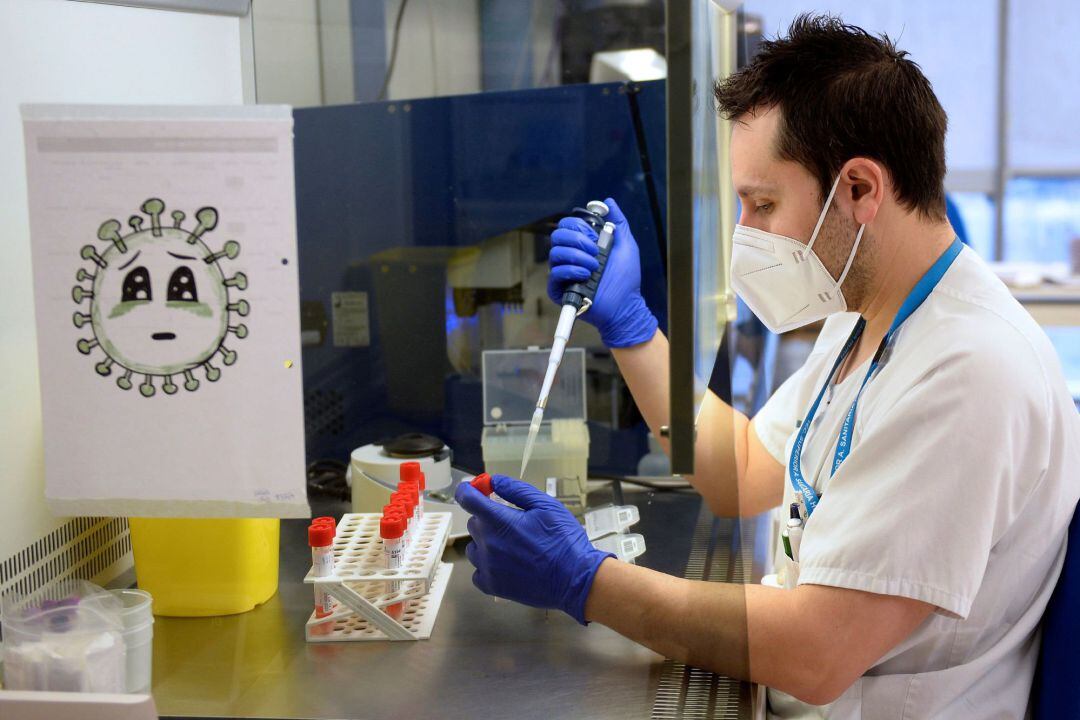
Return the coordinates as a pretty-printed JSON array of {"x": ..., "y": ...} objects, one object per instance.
[
  {"x": 618, "y": 310},
  {"x": 597, "y": 275},
  {"x": 538, "y": 555}
]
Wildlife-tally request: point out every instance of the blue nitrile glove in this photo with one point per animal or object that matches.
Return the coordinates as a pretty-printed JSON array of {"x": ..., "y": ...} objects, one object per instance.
[
  {"x": 538, "y": 555},
  {"x": 618, "y": 311}
]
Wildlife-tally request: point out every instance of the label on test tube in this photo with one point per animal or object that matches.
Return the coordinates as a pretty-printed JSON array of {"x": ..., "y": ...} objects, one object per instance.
[
  {"x": 321, "y": 539},
  {"x": 392, "y": 531}
]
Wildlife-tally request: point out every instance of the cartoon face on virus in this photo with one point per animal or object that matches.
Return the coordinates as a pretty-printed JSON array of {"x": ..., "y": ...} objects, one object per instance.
[{"x": 159, "y": 301}]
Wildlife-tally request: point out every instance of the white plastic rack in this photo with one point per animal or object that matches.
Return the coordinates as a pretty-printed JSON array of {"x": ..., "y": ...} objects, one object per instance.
[{"x": 361, "y": 582}]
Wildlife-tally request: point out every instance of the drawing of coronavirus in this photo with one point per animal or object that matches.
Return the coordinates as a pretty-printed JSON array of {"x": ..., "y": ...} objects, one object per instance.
[{"x": 159, "y": 304}]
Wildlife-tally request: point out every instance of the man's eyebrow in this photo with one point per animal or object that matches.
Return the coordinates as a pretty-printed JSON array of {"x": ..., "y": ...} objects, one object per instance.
[
  {"x": 180, "y": 257},
  {"x": 754, "y": 189},
  {"x": 133, "y": 258}
]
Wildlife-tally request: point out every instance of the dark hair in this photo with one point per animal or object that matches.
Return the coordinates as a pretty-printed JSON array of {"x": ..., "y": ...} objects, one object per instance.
[{"x": 845, "y": 93}]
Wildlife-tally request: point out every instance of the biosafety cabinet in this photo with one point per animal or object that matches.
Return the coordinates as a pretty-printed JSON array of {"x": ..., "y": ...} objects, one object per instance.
[{"x": 423, "y": 229}]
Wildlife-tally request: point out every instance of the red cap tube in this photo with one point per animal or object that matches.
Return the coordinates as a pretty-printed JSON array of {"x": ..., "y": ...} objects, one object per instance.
[
  {"x": 320, "y": 535},
  {"x": 482, "y": 482},
  {"x": 325, "y": 520},
  {"x": 408, "y": 470},
  {"x": 412, "y": 471},
  {"x": 391, "y": 527}
]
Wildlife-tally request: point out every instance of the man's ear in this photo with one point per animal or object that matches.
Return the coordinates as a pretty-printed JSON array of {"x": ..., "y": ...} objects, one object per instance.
[{"x": 862, "y": 188}]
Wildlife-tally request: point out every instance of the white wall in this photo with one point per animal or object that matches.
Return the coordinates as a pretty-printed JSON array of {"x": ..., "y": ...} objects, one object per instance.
[
  {"x": 287, "y": 52},
  {"x": 63, "y": 51},
  {"x": 438, "y": 50},
  {"x": 335, "y": 47}
]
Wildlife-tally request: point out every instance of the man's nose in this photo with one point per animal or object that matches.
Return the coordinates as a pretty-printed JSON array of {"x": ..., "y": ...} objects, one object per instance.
[{"x": 747, "y": 220}]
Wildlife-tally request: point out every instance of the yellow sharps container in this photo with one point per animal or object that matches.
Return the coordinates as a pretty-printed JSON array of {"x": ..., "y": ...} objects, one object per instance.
[{"x": 214, "y": 566}]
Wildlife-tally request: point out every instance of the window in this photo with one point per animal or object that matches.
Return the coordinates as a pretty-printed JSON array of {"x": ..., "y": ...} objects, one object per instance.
[{"x": 957, "y": 45}]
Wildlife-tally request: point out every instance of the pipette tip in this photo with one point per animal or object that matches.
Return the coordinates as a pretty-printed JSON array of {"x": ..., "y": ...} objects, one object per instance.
[{"x": 534, "y": 429}]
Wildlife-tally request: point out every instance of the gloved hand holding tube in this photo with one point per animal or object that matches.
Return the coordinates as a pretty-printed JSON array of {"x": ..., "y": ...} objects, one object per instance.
[
  {"x": 538, "y": 555},
  {"x": 618, "y": 310}
]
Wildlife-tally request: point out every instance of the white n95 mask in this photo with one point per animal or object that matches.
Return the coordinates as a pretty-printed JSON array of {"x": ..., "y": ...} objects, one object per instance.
[{"x": 783, "y": 281}]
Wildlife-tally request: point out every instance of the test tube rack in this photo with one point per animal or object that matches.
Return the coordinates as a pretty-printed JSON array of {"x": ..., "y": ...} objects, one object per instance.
[{"x": 360, "y": 582}]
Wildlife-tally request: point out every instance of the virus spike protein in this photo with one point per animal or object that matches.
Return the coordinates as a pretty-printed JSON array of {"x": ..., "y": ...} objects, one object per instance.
[
  {"x": 140, "y": 237},
  {"x": 154, "y": 207}
]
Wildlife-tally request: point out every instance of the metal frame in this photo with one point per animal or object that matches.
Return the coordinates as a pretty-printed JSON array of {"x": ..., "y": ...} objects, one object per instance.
[
  {"x": 995, "y": 182},
  {"x": 680, "y": 236},
  {"x": 236, "y": 8},
  {"x": 247, "y": 57},
  {"x": 1001, "y": 177}
]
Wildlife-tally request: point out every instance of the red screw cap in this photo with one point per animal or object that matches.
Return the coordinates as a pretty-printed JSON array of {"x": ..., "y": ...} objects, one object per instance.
[
  {"x": 412, "y": 471},
  {"x": 391, "y": 527},
  {"x": 325, "y": 520},
  {"x": 320, "y": 535},
  {"x": 482, "y": 482}
]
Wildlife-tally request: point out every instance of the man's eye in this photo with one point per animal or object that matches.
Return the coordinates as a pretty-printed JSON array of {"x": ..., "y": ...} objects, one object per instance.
[{"x": 765, "y": 208}]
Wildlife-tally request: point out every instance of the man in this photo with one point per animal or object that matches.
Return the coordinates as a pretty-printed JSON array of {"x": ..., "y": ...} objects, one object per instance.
[{"x": 928, "y": 443}]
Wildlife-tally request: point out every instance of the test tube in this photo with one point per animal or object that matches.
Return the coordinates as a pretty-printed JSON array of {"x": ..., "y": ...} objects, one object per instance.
[
  {"x": 408, "y": 470},
  {"x": 397, "y": 507},
  {"x": 411, "y": 511},
  {"x": 321, "y": 540},
  {"x": 411, "y": 487},
  {"x": 412, "y": 471},
  {"x": 482, "y": 482},
  {"x": 392, "y": 531},
  {"x": 325, "y": 520},
  {"x": 400, "y": 500}
]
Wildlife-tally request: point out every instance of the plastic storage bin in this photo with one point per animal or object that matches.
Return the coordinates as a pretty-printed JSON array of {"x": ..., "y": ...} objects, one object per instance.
[
  {"x": 200, "y": 567},
  {"x": 67, "y": 638},
  {"x": 138, "y": 631}
]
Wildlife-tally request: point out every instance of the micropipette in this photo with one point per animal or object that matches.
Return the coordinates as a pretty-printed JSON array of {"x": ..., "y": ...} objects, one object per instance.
[{"x": 576, "y": 299}]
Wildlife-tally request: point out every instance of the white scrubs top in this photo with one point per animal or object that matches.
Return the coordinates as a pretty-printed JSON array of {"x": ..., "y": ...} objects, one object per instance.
[{"x": 958, "y": 491}]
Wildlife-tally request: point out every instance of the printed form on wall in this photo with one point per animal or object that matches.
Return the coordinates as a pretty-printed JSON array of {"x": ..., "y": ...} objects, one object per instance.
[{"x": 166, "y": 297}]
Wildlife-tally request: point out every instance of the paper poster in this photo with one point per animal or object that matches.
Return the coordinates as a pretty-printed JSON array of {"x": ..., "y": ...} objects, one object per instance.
[{"x": 166, "y": 297}]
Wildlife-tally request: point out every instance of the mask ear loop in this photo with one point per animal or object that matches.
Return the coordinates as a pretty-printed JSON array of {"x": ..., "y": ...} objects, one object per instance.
[
  {"x": 851, "y": 257},
  {"x": 821, "y": 217}
]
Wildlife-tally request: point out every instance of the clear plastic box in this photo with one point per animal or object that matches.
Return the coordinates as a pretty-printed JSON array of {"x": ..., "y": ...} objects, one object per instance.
[
  {"x": 512, "y": 380},
  {"x": 67, "y": 639},
  {"x": 511, "y": 385}
]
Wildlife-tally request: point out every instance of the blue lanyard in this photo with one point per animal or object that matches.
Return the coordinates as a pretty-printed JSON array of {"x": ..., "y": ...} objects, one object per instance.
[{"x": 915, "y": 298}]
